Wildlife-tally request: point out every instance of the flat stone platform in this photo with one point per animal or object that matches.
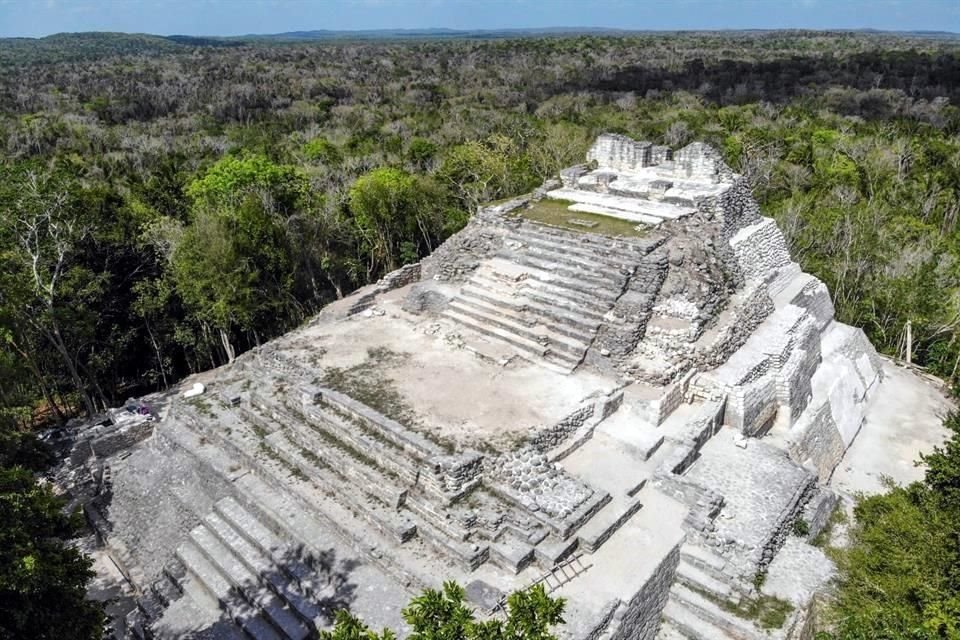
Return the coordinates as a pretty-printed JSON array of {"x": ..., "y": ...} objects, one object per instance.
[
  {"x": 455, "y": 394},
  {"x": 901, "y": 423}
]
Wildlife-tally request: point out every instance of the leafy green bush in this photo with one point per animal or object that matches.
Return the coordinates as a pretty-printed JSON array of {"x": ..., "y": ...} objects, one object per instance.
[
  {"x": 900, "y": 575},
  {"x": 444, "y": 615}
]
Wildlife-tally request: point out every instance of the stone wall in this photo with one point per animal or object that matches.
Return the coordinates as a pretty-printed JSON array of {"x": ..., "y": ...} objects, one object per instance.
[
  {"x": 657, "y": 410},
  {"x": 761, "y": 249},
  {"x": 752, "y": 407},
  {"x": 700, "y": 161},
  {"x": 625, "y": 324},
  {"x": 459, "y": 256},
  {"x": 699, "y": 429},
  {"x": 457, "y": 473},
  {"x": 401, "y": 277},
  {"x": 660, "y": 154},
  {"x": 818, "y": 511},
  {"x": 794, "y": 378},
  {"x": 734, "y": 209},
  {"x": 121, "y": 438},
  {"x": 546, "y": 439},
  {"x": 815, "y": 441},
  {"x": 747, "y": 309},
  {"x": 639, "y": 619},
  {"x": 815, "y": 298},
  {"x": 614, "y": 151}
]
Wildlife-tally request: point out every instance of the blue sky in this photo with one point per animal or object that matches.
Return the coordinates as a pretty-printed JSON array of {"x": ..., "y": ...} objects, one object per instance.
[{"x": 233, "y": 17}]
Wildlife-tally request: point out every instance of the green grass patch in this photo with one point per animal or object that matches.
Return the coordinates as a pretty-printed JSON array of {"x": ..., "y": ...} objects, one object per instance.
[
  {"x": 556, "y": 213},
  {"x": 203, "y": 407},
  {"x": 837, "y": 518},
  {"x": 768, "y": 612}
]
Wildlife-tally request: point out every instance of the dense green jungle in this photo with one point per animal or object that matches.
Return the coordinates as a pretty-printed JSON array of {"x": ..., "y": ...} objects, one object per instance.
[{"x": 166, "y": 204}]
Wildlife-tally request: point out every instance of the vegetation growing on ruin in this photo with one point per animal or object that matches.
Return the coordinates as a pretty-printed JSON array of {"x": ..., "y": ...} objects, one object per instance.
[
  {"x": 443, "y": 614},
  {"x": 556, "y": 213},
  {"x": 369, "y": 382},
  {"x": 900, "y": 574}
]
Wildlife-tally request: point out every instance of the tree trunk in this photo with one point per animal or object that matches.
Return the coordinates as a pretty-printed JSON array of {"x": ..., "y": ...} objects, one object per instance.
[
  {"x": 227, "y": 347},
  {"x": 35, "y": 370},
  {"x": 156, "y": 349},
  {"x": 57, "y": 340}
]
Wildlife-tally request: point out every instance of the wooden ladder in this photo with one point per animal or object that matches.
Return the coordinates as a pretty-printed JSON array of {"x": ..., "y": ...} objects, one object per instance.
[{"x": 562, "y": 573}]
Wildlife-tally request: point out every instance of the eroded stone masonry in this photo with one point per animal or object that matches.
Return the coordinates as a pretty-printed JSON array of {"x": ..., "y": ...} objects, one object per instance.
[{"x": 649, "y": 409}]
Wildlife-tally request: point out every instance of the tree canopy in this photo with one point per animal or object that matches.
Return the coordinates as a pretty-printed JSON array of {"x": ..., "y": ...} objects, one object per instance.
[{"x": 900, "y": 574}]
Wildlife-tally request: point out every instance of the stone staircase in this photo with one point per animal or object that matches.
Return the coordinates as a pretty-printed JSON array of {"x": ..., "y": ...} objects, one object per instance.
[
  {"x": 393, "y": 487},
  {"x": 230, "y": 557},
  {"x": 695, "y": 608},
  {"x": 546, "y": 293}
]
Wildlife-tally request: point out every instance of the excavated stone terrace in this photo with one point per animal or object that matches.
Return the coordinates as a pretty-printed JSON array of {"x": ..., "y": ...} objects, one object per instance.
[{"x": 637, "y": 421}]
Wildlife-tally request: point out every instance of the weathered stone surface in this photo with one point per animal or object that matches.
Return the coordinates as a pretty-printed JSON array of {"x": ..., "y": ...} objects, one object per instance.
[{"x": 636, "y": 421}]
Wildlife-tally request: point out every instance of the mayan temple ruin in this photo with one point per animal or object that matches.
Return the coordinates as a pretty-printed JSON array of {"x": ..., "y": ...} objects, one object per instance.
[{"x": 620, "y": 385}]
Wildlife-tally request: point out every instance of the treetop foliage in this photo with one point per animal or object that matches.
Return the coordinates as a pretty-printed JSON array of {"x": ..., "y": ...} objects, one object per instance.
[
  {"x": 444, "y": 615},
  {"x": 900, "y": 574}
]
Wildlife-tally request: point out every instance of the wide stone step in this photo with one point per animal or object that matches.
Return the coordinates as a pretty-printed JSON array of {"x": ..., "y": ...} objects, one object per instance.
[
  {"x": 248, "y": 584},
  {"x": 628, "y": 208},
  {"x": 269, "y": 543},
  {"x": 351, "y": 459},
  {"x": 700, "y": 580},
  {"x": 690, "y": 625},
  {"x": 546, "y": 294},
  {"x": 378, "y": 501},
  {"x": 597, "y": 253},
  {"x": 639, "y": 218},
  {"x": 514, "y": 271},
  {"x": 606, "y": 522},
  {"x": 291, "y": 507},
  {"x": 587, "y": 279},
  {"x": 530, "y": 347},
  {"x": 527, "y": 348},
  {"x": 624, "y": 248},
  {"x": 299, "y": 517},
  {"x": 560, "y": 337},
  {"x": 269, "y": 570},
  {"x": 712, "y": 613},
  {"x": 704, "y": 559},
  {"x": 592, "y": 267},
  {"x": 388, "y": 522},
  {"x": 397, "y": 486},
  {"x": 669, "y": 632},
  {"x": 558, "y": 317},
  {"x": 218, "y": 587},
  {"x": 190, "y": 616},
  {"x": 491, "y": 315}
]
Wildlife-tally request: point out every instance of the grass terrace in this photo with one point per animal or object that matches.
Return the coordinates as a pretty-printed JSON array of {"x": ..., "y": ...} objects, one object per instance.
[{"x": 556, "y": 213}]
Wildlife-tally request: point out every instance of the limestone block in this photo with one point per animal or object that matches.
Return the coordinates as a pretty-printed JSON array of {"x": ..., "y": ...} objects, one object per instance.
[
  {"x": 815, "y": 298},
  {"x": 640, "y": 618},
  {"x": 752, "y": 407},
  {"x": 761, "y": 250},
  {"x": 620, "y": 152},
  {"x": 815, "y": 441},
  {"x": 422, "y": 298}
]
